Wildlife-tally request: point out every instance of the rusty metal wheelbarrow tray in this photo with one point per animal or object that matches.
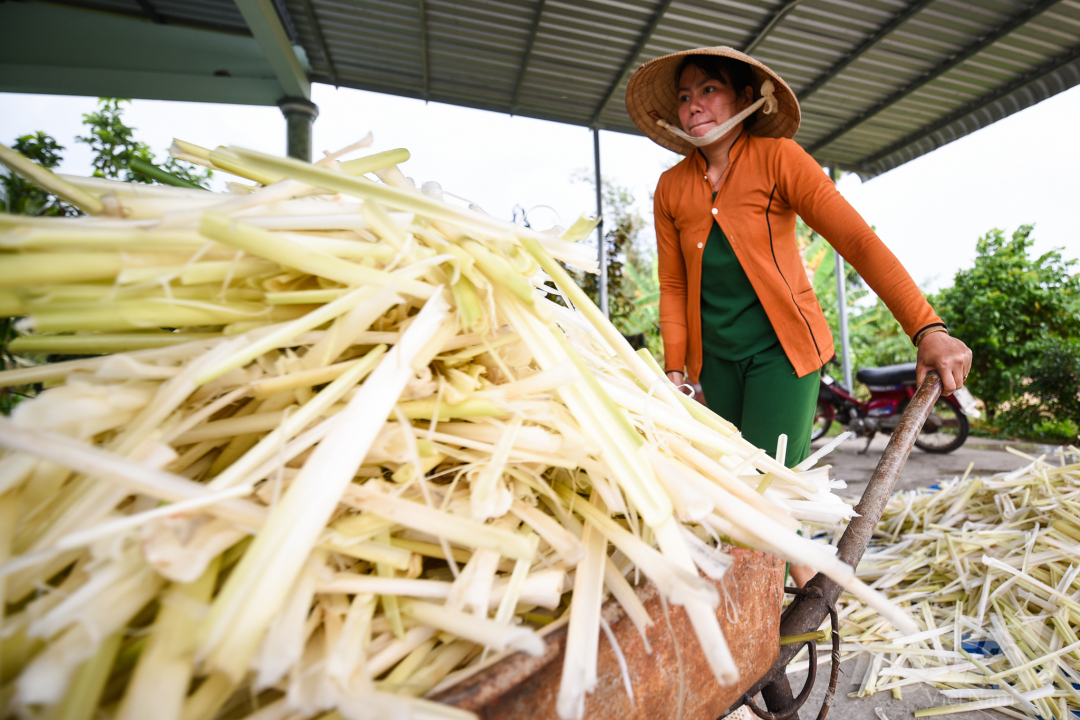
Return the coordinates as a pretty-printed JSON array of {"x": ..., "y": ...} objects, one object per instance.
[
  {"x": 751, "y": 594},
  {"x": 674, "y": 679}
]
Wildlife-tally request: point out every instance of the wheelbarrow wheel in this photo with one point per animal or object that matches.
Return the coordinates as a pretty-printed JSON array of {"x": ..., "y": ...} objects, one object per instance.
[{"x": 945, "y": 429}]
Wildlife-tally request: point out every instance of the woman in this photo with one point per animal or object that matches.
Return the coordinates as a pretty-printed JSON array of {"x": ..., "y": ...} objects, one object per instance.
[{"x": 736, "y": 307}]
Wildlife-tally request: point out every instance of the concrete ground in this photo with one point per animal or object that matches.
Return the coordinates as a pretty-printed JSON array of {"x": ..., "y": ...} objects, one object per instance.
[
  {"x": 915, "y": 697},
  {"x": 922, "y": 469}
]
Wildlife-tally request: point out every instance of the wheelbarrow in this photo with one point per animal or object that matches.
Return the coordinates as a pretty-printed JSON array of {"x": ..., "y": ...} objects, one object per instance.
[{"x": 674, "y": 679}]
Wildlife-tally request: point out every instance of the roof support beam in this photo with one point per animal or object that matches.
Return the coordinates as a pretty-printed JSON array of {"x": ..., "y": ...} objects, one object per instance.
[
  {"x": 189, "y": 64},
  {"x": 632, "y": 59},
  {"x": 151, "y": 12},
  {"x": 424, "y": 49},
  {"x": 265, "y": 25},
  {"x": 976, "y": 105},
  {"x": 313, "y": 21},
  {"x": 528, "y": 54},
  {"x": 936, "y": 72},
  {"x": 770, "y": 25},
  {"x": 858, "y": 52},
  {"x": 151, "y": 85}
]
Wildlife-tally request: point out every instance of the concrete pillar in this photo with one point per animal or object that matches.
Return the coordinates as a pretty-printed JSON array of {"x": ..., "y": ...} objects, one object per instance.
[{"x": 300, "y": 114}]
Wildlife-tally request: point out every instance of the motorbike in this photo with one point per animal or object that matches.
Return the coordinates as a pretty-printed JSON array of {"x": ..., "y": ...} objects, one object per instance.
[{"x": 891, "y": 389}]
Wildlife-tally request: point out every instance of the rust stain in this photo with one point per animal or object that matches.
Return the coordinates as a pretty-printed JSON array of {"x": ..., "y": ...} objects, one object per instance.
[{"x": 751, "y": 594}]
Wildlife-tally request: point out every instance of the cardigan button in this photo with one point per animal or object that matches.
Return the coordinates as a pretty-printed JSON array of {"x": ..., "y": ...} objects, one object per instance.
[
  {"x": 700, "y": 245},
  {"x": 715, "y": 211}
]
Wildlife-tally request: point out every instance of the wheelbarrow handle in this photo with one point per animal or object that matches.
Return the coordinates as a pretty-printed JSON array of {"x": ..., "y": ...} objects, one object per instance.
[
  {"x": 876, "y": 495},
  {"x": 805, "y": 614}
]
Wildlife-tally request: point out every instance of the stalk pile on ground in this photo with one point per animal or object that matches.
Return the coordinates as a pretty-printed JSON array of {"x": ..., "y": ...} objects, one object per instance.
[
  {"x": 988, "y": 567},
  {"x": 339, "y": 447}
]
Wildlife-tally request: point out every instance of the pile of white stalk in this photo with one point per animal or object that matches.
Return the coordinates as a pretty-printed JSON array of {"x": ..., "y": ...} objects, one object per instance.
[
  {"x": 988, "y": 567},
  {"x": 339, "y": 448}
]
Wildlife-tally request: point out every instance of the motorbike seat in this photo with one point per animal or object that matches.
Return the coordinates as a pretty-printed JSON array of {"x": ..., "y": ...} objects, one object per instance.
[{"x": 888, "y": 375}]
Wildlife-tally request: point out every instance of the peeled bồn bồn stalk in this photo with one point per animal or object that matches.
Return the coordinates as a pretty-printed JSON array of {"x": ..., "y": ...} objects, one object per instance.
[
  {"x": 385, "y": 437},
  {"x": 988, "y": 568}
]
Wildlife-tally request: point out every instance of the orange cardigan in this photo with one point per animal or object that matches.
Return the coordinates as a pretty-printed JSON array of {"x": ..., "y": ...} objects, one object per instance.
[{"x": 768, "y": 182}]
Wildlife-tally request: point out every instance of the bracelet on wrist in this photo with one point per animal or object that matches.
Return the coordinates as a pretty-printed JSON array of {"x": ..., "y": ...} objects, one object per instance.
[
  {"x": 923, "y": 331},
  {"x": 929, "y": 331}
]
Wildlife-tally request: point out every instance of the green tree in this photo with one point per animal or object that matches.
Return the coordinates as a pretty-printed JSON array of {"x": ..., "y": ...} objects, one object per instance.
[
  {"x": 1021, "y": 318},
  {"x": 114, "y": 145}
]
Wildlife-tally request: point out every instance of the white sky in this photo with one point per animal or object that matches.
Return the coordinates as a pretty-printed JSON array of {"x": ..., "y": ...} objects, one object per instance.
[{"x": 1023, "y": 169}]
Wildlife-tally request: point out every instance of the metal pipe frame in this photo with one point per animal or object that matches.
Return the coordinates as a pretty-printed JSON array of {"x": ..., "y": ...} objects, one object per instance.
[
  {"x": 934, "y": 73},
  {"x": 601, "y": 246},
  {"x": 840, "y": 270},
  {"x": 841, "y": 312},
  {"x": 313, "y": 21},
  {"x": 424, "y": 49},
  {"x": 858, "y": 52},
  {"x": 528, "y": 55},
  {"x": 632, "y": 60},
  {"x": 1032, "y": 77},
  {"x": 771, "y": 25}
]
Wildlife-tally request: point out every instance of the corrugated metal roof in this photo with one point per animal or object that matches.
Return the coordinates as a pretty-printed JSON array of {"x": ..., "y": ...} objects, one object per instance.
[{"x": 880, "y": 81}]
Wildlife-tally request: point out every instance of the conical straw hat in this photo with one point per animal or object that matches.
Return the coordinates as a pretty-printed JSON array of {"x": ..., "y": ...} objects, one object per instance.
[{"x": 652, "y": 95}]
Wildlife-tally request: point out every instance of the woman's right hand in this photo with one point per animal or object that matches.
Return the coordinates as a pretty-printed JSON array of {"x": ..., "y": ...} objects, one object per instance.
[{"x": 679, "y": 381}]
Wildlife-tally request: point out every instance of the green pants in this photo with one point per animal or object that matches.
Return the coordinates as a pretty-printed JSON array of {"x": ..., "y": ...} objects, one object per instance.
[{"x": 763, "y": 398}]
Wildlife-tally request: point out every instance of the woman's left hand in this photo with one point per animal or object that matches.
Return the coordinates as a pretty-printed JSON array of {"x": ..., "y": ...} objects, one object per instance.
[{"x": 949, "y": 356}]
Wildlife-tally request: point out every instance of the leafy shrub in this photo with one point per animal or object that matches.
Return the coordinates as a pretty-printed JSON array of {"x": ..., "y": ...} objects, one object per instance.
[
  {"x": 1021, "y": 318},
  {"x": 1049, "y": 408},
  {"x": 114, "y": 146},
  {"x": 1055, "y": 377}
]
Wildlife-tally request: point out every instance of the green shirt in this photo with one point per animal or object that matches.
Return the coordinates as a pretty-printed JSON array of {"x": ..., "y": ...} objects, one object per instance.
[{"x": 734, "y": 325}]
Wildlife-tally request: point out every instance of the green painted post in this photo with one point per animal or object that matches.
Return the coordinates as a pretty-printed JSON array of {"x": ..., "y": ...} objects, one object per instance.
[{"x": 300, "y": 114}]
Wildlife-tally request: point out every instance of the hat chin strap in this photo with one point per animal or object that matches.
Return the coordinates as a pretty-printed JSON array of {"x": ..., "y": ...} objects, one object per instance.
[{"x": 767, "y": 99}]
